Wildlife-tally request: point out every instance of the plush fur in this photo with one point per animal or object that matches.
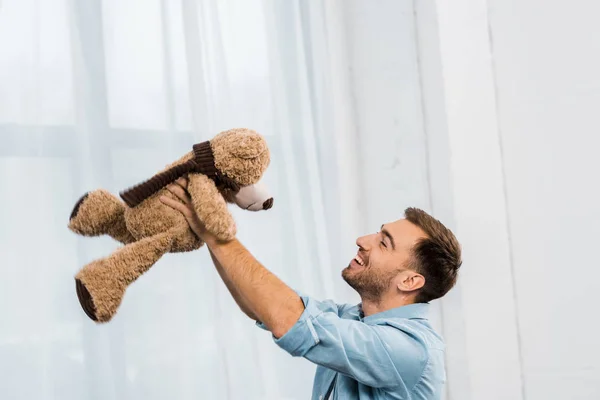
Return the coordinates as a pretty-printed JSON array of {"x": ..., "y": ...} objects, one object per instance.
[
  {"x": 242, "y": 161},
  {"x": 152, "y": 229}
]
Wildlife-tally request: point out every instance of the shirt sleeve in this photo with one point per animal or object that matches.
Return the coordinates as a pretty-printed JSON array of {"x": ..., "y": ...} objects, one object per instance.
[
  {"x": 375, "y": 355},
  {"x": 326, "y": 305}
]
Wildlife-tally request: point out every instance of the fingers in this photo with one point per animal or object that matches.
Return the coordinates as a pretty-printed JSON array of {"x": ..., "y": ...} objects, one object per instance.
[
  {"x": 178, "y": 188},
  {"x": 178, "y": 191},
  {"x": 183, "y": 182},
  {"x": 184, "y": 209}
]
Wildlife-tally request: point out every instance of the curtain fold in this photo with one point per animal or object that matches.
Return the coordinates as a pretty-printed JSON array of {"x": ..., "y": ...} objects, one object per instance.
[{"x": 122, "y": 89}]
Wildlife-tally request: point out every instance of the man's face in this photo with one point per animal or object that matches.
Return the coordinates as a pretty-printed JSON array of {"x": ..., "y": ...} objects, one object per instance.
[{"x": 380, "y": 263}]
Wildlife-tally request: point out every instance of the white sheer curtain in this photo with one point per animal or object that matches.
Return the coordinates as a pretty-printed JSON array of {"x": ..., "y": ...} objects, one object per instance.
[{"x": 103, "y": 94}]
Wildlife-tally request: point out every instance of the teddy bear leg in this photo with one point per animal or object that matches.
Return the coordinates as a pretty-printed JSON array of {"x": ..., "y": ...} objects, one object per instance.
[
  {"x": 98, "y": 213},
  {"x": 101, "y": 284}
]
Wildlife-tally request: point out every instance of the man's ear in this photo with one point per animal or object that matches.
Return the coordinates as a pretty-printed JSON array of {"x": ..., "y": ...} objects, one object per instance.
[{"x": 410, "y": 280}]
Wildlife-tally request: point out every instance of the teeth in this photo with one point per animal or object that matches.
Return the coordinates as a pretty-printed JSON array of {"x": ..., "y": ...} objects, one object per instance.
[{"x": 359, "y": 260}]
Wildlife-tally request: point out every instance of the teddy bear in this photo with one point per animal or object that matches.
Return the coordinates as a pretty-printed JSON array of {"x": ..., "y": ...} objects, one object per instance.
[{"x": 224, "y": 170}]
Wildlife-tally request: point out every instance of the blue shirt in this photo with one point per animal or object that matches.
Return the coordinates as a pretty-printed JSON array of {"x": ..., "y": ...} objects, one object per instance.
[{"x": 394, "y": 354}]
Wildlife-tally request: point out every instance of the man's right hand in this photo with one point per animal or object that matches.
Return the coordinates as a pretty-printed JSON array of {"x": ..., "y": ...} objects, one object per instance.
[{"x": 179, "y": 189}]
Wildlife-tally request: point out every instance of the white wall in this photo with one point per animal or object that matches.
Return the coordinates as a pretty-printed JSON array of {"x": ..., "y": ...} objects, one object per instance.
[
  {"x": 491, "y": 331},
  {"x": 483, "y": 112},
  {"x": 546, "y": 58}
]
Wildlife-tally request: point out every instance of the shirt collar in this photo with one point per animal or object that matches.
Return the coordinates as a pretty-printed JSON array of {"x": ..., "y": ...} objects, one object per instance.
[{"x": 409, "y": 311}]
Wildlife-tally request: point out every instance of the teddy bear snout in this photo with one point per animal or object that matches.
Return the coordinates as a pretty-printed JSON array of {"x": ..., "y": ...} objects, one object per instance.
[
  {"x": 254, "y": 198},
  {"x": 268, "y": 204}
]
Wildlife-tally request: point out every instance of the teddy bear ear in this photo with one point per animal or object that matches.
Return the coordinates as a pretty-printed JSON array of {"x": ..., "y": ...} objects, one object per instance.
[{"x": 250, "y": 146}]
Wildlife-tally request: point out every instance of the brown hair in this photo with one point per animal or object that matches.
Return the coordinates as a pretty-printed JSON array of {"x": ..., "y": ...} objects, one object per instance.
[{"x": 437, "y": 257}]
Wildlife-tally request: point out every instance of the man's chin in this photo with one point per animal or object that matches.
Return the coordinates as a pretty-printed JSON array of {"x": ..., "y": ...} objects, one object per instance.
[
  {"x": 345, "y": 272},
  {"x": 349, "y": 274}
]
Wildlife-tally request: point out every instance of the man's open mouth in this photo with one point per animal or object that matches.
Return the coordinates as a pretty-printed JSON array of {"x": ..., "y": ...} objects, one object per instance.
[{"x": 357, "y": 262}]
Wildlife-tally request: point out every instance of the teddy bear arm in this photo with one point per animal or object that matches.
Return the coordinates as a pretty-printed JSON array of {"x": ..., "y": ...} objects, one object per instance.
[{"x": 211, "y": 207}]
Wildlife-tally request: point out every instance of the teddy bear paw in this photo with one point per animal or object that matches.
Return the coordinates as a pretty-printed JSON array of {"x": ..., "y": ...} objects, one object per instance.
[
  {"x": 77, "y": 205},
  {"x": 97, "y": 213},
  {"x": 85, "y": 299}
]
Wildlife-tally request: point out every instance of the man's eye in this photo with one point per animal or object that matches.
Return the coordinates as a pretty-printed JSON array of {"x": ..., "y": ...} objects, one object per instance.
[{"x": 383, "y": 243}]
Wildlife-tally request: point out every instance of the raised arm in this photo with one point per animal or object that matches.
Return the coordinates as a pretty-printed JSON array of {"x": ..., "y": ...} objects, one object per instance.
[
  {"x": 241, "y": 302},
  {"x": 271, "y": 301},
  {"x": 262, "y": 295}
]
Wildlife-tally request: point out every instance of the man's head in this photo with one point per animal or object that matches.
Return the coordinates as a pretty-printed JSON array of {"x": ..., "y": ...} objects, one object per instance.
[{"x": 416, "y": 257}]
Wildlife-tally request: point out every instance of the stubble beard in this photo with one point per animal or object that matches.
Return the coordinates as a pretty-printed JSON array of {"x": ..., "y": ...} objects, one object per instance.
[{"x": 370, "y": 284}]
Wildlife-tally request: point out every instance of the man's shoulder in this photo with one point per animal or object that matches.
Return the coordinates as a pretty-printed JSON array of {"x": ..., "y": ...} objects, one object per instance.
[
  {"x": 414, "y": 347},
  {"x": 418, "y": 331},
  {"x": 349, "y": 311},
  {"x": 411, "y": 321},
  {"x": 343, "y": 310}
]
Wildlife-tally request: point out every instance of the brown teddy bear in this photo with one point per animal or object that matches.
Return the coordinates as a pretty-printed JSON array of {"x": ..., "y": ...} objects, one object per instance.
[{"x": 226, "y": 169}]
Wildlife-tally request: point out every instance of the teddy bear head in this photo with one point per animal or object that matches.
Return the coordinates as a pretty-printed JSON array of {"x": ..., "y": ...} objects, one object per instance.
[
  {"x": 241, "y": 157},
  {"x": 234, "y": 159}
]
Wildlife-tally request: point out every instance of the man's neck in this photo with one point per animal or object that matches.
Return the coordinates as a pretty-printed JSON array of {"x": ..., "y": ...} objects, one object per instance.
[{"x": 374, "y": 306}]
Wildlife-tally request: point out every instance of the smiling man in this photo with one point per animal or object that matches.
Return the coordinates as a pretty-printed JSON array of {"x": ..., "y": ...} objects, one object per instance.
[{"x": 382, "y": 348}]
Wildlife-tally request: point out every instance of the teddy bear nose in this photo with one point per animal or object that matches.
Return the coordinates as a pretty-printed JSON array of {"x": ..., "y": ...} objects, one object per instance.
[{"x": 268, "y": 204}]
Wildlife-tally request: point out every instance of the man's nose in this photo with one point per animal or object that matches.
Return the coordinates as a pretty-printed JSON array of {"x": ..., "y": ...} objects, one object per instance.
[{"x": 362, "y": 242}]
